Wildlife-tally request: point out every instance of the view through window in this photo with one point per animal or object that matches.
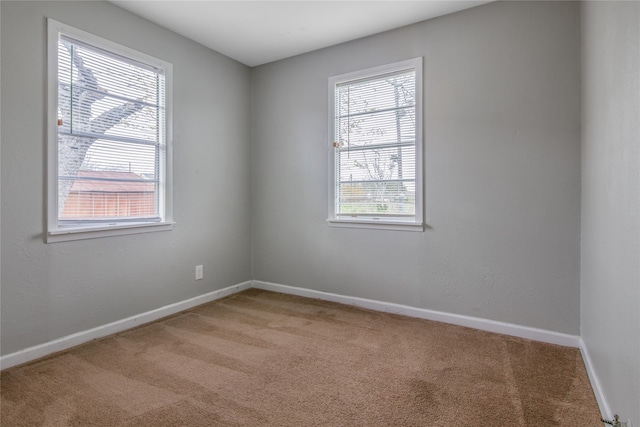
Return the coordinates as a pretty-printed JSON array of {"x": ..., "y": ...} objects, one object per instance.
[
  {"x": 111, "y": 146},
  {"x": 376, "y": 145}
]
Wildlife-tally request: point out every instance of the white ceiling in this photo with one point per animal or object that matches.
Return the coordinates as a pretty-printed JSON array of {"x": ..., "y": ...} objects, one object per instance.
[{"x": 258, "y": 32}]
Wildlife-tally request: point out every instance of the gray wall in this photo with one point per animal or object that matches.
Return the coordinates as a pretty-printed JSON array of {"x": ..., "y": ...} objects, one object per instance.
[
  {"x": 52, "y": 290},
  {"x": 502, "y": 170},
  {"x": 610, "y": 288},
  {"x": 502, "y": 167}
]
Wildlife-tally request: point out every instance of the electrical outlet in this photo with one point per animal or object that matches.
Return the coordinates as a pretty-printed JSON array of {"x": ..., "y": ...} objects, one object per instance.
[{"x": 199, "y": 272}]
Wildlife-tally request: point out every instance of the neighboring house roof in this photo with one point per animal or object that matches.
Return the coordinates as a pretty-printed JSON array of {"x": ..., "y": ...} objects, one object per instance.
[{"x": 101, "y": 186}]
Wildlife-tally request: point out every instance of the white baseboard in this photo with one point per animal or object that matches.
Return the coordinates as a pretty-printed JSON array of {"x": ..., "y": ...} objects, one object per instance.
[
  {"x": 605, "y": 409},
  {"x": 41, "y": 350},
  {"x": 534, "y": 334}
]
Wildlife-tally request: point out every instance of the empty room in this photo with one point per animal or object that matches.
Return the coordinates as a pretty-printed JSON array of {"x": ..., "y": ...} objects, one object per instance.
[{"x": 320, "y": 213}]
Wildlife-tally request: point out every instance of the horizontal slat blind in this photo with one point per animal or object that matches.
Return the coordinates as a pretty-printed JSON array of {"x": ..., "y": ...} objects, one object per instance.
[
  {"x": 375, "y": 146},
  {"x": 110, "y": 136}
]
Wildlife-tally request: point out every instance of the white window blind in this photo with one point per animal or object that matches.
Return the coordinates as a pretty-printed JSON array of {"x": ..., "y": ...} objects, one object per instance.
[
  {"x": 111, "y": 149},
  {"x": 376, "y": 146}
]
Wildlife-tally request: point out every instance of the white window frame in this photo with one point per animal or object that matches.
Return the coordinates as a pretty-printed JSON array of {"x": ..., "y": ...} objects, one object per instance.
[
  {"x": 371, "y": 222},
  {"x": 56, "y": 233}
]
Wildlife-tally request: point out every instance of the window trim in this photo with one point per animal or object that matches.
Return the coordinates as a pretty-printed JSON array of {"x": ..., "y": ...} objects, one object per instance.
[
  {"x": 54, "y": 232},
  {"x": 369, "y": 222}
]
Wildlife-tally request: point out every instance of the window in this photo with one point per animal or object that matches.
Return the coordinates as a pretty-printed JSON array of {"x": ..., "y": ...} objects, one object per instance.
[
  {"x": 109, "y": 133},
  {"x": 375, "y": 160}
]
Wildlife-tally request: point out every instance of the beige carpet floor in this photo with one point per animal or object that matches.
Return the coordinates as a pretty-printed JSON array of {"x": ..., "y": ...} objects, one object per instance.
[{"x": 265, "y": 359}]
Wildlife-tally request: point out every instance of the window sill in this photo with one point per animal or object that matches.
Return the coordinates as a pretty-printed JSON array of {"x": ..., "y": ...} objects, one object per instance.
[
  {"x": 65, "y": 235},
  {"x": 376, "y": 224}
]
